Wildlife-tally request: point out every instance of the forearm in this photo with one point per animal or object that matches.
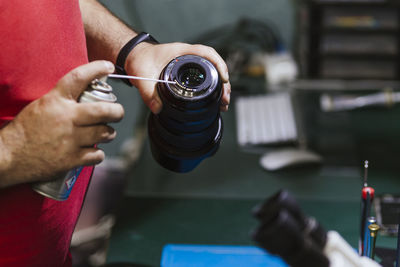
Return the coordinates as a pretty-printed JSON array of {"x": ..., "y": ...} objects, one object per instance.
[
  {"x": 43, "y": 141},
  {"x": 105, "y": 33},
  {"x": 8, "y": 164},
  {"x": 4, "y": 162}
]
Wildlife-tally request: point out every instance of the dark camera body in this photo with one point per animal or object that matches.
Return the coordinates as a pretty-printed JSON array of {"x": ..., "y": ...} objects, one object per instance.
[{"x": 189, "y": 127}]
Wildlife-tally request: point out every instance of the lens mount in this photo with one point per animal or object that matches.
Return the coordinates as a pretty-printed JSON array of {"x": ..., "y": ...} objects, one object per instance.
[{"x": 195, "y": 77}]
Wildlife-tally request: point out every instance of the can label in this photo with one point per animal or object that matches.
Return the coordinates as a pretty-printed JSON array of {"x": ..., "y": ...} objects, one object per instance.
[
  {"x": 74, "y": 175},
  {"x": 58, "y": 189}
]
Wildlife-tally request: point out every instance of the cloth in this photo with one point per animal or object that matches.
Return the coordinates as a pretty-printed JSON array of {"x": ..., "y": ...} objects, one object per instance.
[{"x": 41, "y": 40}]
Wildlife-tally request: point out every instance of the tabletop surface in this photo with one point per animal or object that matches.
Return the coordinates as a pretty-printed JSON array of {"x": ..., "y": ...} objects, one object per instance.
[{"x": 213, "y": 203}]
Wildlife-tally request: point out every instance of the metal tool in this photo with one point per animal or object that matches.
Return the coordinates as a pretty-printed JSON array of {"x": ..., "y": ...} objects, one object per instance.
[
  {"x": 367, "y": 195},
  {"x": 119, "y": 76},
  {"x": 373, "y": 228},
  {"x": 366, "y": 173},
  {"x": 367, "y": 237},
  {"x": 366, "y": 201}
]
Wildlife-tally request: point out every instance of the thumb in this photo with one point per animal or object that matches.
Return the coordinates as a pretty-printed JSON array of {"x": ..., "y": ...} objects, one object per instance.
[{"x": 76, "y": 81}]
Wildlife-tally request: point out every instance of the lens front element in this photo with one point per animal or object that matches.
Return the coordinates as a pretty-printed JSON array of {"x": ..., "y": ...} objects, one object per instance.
[{"x": 191, "y": 75}]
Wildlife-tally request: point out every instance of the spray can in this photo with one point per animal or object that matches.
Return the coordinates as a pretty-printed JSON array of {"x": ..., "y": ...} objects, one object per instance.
[{"x": 60, "y": 188}]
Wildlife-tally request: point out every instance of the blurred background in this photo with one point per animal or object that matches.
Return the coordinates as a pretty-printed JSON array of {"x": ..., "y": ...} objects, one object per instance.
[
  {"x": 187, "y": 21},
  {"x": 314, "y": 94}
]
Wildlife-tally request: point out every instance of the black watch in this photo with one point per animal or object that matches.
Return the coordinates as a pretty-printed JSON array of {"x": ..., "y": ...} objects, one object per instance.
[{"x": 123, "y": 54}]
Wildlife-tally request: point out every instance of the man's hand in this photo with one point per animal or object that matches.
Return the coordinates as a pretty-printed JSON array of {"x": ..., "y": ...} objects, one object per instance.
[
  {"x": 148, "y": 60},
  {"x": 56, "y": 133},
  {"x": 106, "y": 35}
]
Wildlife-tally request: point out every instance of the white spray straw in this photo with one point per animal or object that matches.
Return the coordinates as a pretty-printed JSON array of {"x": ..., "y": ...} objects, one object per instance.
[{"x": 138, "y": 78}]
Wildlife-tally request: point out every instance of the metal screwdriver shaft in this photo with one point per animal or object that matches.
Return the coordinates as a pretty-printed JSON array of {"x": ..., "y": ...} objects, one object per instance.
[
  {"x": 138, "y": 78},
  {"x": 367, "y": 237},
  {"x": 367, "y": 195},
  {"x": 366, "y": 173},
  {"x": 373, "y": 228}
]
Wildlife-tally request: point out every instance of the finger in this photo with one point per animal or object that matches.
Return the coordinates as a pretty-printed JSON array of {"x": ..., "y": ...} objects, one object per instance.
[
  {"x": 91, "y": 156},
  {"x": 224, "y": 108},
  {"x": 91, "y": 135},
  {"x": 77, "y": 80},
  {"x": 97, "y": 112},
  {"x": 155, "y": 103},
  {"x": 226, "y": 96}
]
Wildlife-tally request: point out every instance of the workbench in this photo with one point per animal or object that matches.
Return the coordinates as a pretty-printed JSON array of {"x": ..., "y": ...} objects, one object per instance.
[{"x": 213, "y": 203}]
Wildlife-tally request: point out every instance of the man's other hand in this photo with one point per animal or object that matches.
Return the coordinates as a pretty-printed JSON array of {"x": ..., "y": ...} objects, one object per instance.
[{"x": 55, "y": 133}]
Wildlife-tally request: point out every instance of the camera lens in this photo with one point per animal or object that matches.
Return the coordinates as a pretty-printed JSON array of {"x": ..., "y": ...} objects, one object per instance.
[
  {"x": 189, "y": 127},
  {"x": 191, "y": 75}
]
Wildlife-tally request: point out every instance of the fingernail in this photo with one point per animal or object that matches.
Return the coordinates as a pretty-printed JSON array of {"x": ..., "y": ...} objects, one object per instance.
[
  {"x": 226, "y": 99},
  {"x": 227, "y": 75},
  {"x": 109, "y": 66}
]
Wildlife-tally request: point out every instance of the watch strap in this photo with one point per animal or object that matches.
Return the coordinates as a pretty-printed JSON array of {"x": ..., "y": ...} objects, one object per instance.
[{"x": 127, "y": 48}]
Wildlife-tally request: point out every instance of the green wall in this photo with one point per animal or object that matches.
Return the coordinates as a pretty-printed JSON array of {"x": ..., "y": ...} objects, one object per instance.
[{"x": 184, "y": 20}]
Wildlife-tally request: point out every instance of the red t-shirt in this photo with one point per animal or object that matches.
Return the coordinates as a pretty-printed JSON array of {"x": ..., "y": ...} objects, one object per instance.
[{"x": 41, "y": 40}]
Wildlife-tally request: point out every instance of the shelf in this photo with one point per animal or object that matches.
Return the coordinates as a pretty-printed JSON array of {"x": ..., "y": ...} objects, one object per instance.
[
  {"x": 359, "y": 56},
  {"x": 351, "y": 40},
  {"x": 353, "y": 3},
  {"x": 359, "y": 30},
  {"x": 344, "y": 85},
  {"x": 342, "y": 43}
]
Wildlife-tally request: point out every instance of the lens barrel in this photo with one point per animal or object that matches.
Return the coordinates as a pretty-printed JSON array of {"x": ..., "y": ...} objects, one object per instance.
[{"x": 189, "y": 127}]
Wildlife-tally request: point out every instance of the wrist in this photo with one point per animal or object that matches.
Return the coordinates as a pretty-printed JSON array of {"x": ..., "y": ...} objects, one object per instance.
[
  {"x": 138, "y": 50},
  {"x": 133, "y": 47},
  {"x": 134, "y": 62}
]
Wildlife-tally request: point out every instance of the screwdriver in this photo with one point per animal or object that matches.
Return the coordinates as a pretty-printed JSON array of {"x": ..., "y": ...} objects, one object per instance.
[
  {"x": 367, "y": 195},
  {"x": 368, "y": 238},
  {"x": 365, "y": 184},
  {"x": 373, "y": 228}
]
